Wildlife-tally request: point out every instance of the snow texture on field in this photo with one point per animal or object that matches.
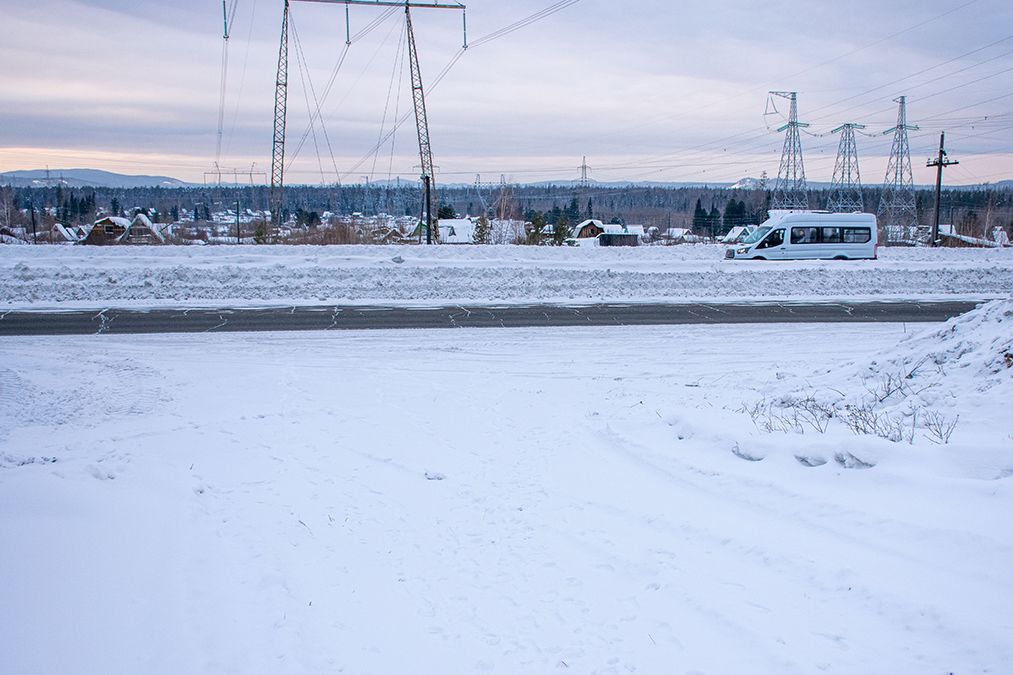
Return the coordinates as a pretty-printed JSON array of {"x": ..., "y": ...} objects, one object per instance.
[
  {"x": 47, "y": 276},
  {"x": 587, "y": 500}
]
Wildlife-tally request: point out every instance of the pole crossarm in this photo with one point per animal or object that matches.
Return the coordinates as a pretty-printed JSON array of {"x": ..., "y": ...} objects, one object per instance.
[{"x": 390, "y": 3}]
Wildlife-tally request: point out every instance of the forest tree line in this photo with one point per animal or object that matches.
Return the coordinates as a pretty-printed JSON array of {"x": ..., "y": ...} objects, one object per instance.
[{"x": 705, "y": 210}]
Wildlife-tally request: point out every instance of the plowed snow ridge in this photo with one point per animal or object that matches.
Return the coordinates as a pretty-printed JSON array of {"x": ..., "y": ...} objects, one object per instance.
[{"x": 245, "y": 275}]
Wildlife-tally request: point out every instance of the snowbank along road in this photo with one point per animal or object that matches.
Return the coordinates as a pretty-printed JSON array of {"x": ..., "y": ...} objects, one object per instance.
[{"x": 217, "y": 276}]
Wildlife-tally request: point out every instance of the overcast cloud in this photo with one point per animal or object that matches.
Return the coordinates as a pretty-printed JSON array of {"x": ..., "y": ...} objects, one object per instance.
[{"x": 647, "y": 90}]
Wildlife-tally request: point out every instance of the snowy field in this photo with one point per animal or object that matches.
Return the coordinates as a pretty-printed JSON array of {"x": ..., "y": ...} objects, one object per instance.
[
  {"x": 514, "y": 501},
  {"x": 89, "y": 277}
]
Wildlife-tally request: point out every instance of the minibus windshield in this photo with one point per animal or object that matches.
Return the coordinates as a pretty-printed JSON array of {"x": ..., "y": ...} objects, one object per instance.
[{"x": 756, "y": 236}]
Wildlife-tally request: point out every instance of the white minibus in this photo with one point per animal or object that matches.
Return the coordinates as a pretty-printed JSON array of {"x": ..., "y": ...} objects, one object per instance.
[{"x": 810, "y": 235}]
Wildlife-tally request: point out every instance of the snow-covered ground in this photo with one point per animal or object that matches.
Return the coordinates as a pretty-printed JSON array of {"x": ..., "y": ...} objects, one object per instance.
[
  {"x": 588, "y": 500},
  {"x": 59, "y": 276}
]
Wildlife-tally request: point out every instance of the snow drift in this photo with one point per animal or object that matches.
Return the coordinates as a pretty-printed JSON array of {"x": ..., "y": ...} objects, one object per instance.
[
  {"x": 948, "y": 385},
  {"x": 78, "y": 276}
]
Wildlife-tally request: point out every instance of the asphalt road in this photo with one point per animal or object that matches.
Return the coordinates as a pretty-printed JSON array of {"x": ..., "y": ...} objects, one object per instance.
[{"x": 82, "y": 322}]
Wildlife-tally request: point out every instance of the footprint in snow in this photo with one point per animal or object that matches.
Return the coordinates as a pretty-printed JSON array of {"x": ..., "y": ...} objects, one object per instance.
[
  {"x": 744, "y": 454},
  {"x": 810, "y": 461},
  {"x": 434, "y": 475},
  {"x": 849, "y": 461}
]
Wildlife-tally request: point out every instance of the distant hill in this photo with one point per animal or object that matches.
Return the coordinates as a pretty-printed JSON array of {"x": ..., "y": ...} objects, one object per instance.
[{"x": 85, "y": 178}]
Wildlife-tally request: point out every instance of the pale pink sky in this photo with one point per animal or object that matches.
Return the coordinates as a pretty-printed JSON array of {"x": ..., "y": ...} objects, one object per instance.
[{"x": 649, "y": 90}]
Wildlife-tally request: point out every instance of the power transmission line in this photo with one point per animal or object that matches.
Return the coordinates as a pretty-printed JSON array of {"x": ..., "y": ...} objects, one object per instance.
[
  {"x": 898, "y": 211},
  {"x": 846, "y": 186},
  {"x": 790, "y": 191}
]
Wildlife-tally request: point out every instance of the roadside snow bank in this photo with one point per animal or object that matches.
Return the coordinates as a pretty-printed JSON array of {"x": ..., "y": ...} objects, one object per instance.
[
  {"x": 46, "y": 276},
  {"x": 945, "y": 386}
]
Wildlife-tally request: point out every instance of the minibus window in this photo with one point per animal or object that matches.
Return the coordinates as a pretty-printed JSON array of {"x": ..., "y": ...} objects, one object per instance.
[
  {"x": 831, "y": 235},
  {"x": 776, "y": 238},
  {"x": 803, "y": 235},
  {"x": 756, "y": 236},
  {"x": 857, "y": 235}
]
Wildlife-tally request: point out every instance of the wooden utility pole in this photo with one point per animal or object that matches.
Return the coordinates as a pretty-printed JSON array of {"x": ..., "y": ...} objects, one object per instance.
[
  {"x": 35, "y": 238},
  {"x": 939, "y": 162}
]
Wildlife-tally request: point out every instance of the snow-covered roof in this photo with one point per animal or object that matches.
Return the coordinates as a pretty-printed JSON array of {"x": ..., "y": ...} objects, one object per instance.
[
  {"x": 66, "y": 233},
  {"x": 616, "y": 228},
  {"x": 734, "y": 234},
  {"x": 113, "y": 220},
  {"x": 457, "y": 231},
  {"x": 141, "y": 226},
  {"x": 7, "y": 236}
]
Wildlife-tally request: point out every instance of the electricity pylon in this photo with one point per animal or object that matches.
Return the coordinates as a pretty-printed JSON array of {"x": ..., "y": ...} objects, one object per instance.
[
  {"x": 584, "y": 180},
  {"x": 418, "y": 95},
  {"x": 422, "y": 127},
  {"x": 846, "y": 187},
  {"x": 898, "y": 209},
  {"x": 790, "y": 191},
  {"x": 278, "y": 142},
  {"x": 481, "y": 197}
]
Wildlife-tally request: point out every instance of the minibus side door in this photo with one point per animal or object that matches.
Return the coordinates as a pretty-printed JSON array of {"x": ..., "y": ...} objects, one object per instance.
[{"x": 773, "y": 246}]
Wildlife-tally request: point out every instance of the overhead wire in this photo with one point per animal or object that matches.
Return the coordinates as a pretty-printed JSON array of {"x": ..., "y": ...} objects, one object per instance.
[
  {"x": 827, "y": 62},
  {"x": 302, "y": 77},
  {"x": 397, "y": 111},
  {"x": 485, "y": 39},
  {"x": 523, "y": 23},
  {"x": 386, "y": 104},
  {"x": 228, "y": 15},
  {"x": 317, "y": 113},
  {"x": 242, "y": 80}
]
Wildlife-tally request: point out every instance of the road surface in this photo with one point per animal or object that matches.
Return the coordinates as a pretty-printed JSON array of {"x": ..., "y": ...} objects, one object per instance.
[{"x": 331, "y": 317}]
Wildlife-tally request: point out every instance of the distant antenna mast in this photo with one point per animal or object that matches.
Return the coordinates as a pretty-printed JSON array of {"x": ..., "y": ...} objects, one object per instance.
[
  {"x": 790, "y": 191},
  {"x": 898, "y": 209},
  {"x": 584, "y": 168},
  {"x": 846, "y": 187}
]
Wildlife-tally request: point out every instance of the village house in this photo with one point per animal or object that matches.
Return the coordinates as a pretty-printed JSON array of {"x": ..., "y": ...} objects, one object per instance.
[
  {"x": 67, "y": 234},
  {"x": 117, "y": 230},
  {"x": 589, "y": 229},
  {"x": 106, "y": 231}
]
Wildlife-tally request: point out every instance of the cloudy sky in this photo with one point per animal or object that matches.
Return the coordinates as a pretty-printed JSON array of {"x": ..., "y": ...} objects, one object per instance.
[{"x": 647, "y": 89}]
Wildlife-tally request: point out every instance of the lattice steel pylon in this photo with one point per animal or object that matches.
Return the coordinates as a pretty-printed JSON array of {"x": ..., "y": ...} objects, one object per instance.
[
  {"x": 281, "y": 96},
  {"x": 846, "y": 186},
  {"x": 898, "y": 208},
  {"x": 422, "y": 126},
  {"x": 790, "y": 191},
  {"x": 278, "y": 144},
  {"x": 585, "y": 181}
]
